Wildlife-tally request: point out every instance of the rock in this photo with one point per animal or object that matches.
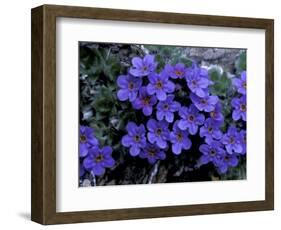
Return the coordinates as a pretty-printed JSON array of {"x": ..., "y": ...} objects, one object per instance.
[{"x": 212, "y": 56}]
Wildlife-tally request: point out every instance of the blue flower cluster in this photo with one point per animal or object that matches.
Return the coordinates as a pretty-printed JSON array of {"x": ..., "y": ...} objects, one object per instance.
[
  {"x": 93, "y": 158},
  {"x": 170, "y": 121},
  {"x": 239, "y": 103}
]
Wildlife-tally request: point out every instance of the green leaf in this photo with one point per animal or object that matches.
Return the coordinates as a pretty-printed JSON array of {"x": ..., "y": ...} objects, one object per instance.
[
  {"x": 241, "y": 63},
  {"x": 236, "y": 172},
  {"x": 214, "y": 74},
  {"x": 186, "y": 61},
  {"x": 221, "y": 85}
]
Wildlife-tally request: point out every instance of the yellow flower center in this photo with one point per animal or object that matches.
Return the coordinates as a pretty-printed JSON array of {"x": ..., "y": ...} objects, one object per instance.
[
  {"x": 83, "y": 138},
  {"x": 193, "y": 82},
  {"x": 191, "y": 118},
  {"x": 146, "y": 100},
  {"x": 179, "y": 137},
  {"x": 166, "y": 106},
  {"x": 158, "y": 131},
  {"x": 159, "y": 84},
  {"x": 152, "y": 152},
  {"x": 131, "y": 85},
  {"x": 137, "y": 138},
  {"x": 203, "y": 101},
  {"x": 99, "y": 158},
  {"x": 178, "y": 72},
  {"x": 243, "y": 107}
]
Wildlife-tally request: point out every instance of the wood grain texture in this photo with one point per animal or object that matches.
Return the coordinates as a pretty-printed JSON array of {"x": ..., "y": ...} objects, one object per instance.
[
  {"x": 43, "y": 207},
  {"x": 37, "y": 115},
  {"x": 269, "y": 114}
]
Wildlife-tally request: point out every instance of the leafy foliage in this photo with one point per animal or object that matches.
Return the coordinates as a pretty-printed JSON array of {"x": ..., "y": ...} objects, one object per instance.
[
  {"x": 99, "y": 67},
  {"x": 241, "y": 63}
]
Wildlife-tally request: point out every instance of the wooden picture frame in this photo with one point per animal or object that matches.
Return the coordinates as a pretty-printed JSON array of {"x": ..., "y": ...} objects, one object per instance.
[{"x": 43, "y": 208}]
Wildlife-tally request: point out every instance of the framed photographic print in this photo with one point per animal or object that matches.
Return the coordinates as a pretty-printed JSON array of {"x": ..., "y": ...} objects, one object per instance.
[{"x": 141, "y": 114}]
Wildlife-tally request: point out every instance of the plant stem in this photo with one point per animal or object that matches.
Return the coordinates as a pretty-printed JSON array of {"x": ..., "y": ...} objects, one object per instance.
[
  {"x": 153, "y": 173},
  {"x": 93, "y": 179}
]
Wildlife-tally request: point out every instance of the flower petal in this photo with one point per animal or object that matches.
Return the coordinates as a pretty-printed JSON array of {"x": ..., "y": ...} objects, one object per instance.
[
  {"x": 169, "y": 117},
  {"x": 161, "y": 143},
  {"x": 151, "y": 137},
  {"x": 126, "y": 141},
  {"x": 136, "y": 72},
  {"x": 106, "y": 150},
  {"x": 161, "y": 95},
  {"x": 131, "y": 128},
  {"x": 98, "y": 170},
  {"x": 153, "y": 78},
  {"x": 238, "y": 148},
  {"x": 236, "y": 114},
  {"x": 159, "y": 115},
  {"x": 151, "y": 125},
  {"x": 176, "y": 148},
  {"x": 183, "y": 124},
  {"x": 83, "y": 150},
  {"x": 204, "y": 149},
  {"x": 170, "y": 87},
  {"x": 108, "y": 162},
  {"x": 148, "y": 59},
  {"x": 186, "y": 144},
  {"x": 137, "y": 104},
  {"x": 150, "y": 89},
  {"x": 147, "y": 110},
  {"x": 137, "y": 62},
  {"x": 132, "y": 96},
  {"x": 122, "y": 81},
  {"x": 233, "y": 162},
  {"x": 134, "y": 151},
  {"x": 123, "y": 94},
  {"x": 193, "y": 129},
  {"x": 213, "y": 100},
  {"x": 204, "y": 159},
  {"x": 199, "y": 92},
  {"x": 88, "y": 163}
]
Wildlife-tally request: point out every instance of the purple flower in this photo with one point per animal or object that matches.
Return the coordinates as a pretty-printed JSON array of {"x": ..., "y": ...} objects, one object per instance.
[
  {"x": 177, "y": 71},
  {"x": 243, "y": 138},
  {"x": 206, "y": 103},
  {"x": 212, "y": 152},
  {"x": 191, "y": 118},
  {"x": 160, "y": 85},
  {"x": 240, "y": 108},
  {"x": 216, "y": 114},
  {"x": 179, "y": 139},
  {"x": 86, "y": 140},
  {"x": 241, "y": 83},
  {"x": 129, "y": 87},
  {"x": 226, "y": 161},
  {"x": 210, "y": 130},
  {"x": 81, "y": 170},
  {"x": 135, "y": 139},
  {"x": 198, "y": 80},
  {"x": 144, "y": 102},
  {"x": 99, "y": 159},
  {"x": 143, "y": 67},
  {"x": 158, "y": 132},
  {"x": 232, "y": 141},
  {"x": 152, "y": 153},
  {"x": 166, "y": 109}
]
